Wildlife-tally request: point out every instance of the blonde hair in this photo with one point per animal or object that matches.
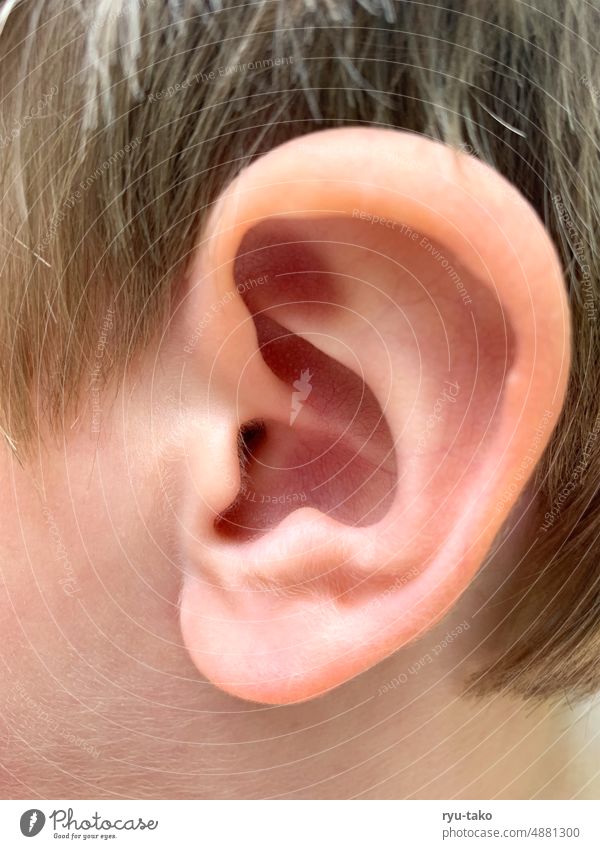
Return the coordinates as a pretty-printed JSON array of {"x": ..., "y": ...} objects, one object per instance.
[{"x": 123, "y": 121}]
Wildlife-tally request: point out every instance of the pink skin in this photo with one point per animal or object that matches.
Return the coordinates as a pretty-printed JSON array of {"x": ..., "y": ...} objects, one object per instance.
[{"x": 141, "y": 561}]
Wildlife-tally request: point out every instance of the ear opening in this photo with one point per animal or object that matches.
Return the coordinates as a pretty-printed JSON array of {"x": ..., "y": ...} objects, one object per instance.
[
  {"x": 416, "y": 316},
  {"x": 335, "y": 452}
]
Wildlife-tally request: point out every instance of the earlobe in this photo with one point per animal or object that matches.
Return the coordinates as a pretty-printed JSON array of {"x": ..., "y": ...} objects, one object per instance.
[{"x": 385, "y": 362}]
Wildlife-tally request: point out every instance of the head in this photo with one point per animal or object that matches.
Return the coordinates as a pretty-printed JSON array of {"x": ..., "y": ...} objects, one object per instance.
[{"x": 299, "y": 315}]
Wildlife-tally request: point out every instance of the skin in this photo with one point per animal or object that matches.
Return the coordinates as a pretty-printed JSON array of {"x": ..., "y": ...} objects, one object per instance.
[{"x": 154, "y": 646}]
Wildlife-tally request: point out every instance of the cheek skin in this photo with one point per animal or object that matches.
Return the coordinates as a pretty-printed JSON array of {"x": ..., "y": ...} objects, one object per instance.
[{"x": 91, "y": 576}]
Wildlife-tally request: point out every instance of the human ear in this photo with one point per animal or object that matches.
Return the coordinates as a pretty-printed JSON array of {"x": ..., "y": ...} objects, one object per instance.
[{"x": 376, "y": 338}]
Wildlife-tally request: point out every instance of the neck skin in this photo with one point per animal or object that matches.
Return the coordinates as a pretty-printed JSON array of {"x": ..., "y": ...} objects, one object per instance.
[{"x": 78, "y": 723}]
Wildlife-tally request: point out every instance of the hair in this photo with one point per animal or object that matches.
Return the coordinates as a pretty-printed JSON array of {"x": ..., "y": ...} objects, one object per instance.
[{"x": 123, "y": 120}]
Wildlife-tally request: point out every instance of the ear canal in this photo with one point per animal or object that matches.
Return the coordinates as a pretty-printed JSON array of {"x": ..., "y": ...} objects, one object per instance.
[{"x": 335, "y": 452}]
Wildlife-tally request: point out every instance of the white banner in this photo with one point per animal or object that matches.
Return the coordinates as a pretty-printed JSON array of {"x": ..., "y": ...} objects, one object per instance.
[{"x": 300, "y": 824}]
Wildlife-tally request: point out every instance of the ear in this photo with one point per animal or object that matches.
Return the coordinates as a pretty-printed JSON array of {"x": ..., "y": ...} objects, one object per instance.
[{"x": 376, "y": 339}]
